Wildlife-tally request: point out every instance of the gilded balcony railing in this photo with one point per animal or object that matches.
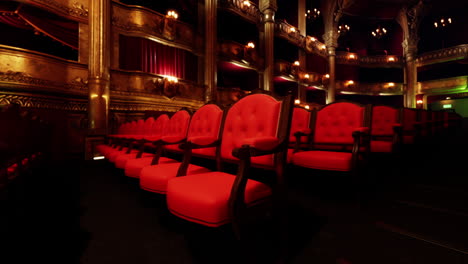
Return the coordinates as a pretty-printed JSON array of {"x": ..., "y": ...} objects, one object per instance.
[
  {"x": 352, "y": 87},
  {"x": 245, "y": 9},
  {"x": 243, "y": 54},
  {"x": 443, "y": 55}
]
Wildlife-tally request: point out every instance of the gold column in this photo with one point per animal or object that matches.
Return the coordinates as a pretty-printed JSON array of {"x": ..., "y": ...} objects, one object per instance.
[
  {"x": 268, "y": 8},
  {"x": 331, "y": 41},
  {"x": 411, "y": 77},
  {"x": 301, "y": 90},
  {"x": 210, "y": 50},
  {"x": 99, "y": 61}
]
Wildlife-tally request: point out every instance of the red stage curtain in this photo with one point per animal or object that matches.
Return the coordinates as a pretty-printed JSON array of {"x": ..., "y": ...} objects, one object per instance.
[{"x": 149, "y": 56}]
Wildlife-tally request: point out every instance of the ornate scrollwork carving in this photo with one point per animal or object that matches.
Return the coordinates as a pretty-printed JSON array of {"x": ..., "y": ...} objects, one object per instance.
[
  {"x": 21, "y": 77},
  {"x": 44, "y": 102},
  {"x": 76, "y": 10}
]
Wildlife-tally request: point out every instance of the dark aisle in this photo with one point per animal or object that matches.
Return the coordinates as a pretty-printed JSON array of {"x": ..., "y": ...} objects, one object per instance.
[{"x": 89, "y": 213}]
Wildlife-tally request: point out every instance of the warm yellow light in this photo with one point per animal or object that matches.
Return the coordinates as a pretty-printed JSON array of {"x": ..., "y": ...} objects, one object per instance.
[
  {"x": 323, "y": 46},
  {"x": 391, "y": 59},
  {"x": 448, "y": 98},
  {"x": 172, "y": 14},
  {"x": 307, "y": 107},
  {"x": 350, "y": 82},
  {"x": 307, "y": 76},
  {"x": 351, "y": 56},
  {"x": 313, "y": 39},
  {"x": 327, "y": 75},
  {"x": 390, "y": 84},
  {"x": 292, "y": 29},
  {"x": 246, "y": 3},
  {"x": 297, "y": 63},
  {"x": 297, "y": 101},
  {"x": 419, "y": 101},
  {"x": 93, "y": 96},
  {"x": 251, "y": 45},
  {"x": 435, "y": 24},
  {"x": 171, "y": 79}
]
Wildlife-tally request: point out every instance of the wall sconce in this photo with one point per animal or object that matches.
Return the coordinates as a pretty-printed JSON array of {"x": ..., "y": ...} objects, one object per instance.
[
  {"x": 350, "y": 82},
  {"x": 323, "y": 46},
  {"x": 327, "y": 75},
  {"x": 352, "y": 56},
  {"x": 172, "y": 14},
  {"x": 292, "y": 30},
  {"x": 307, "y": 107},
  {"x": 297, "y": 63},
  {"x": 250, "y": 45},
  {"x": 391, "y": 59},
  {"x": 246, "y": 4},
  {"x": 171, "y": 79},
  {"x": 297, "y": 101},
  {"x": 419, "y": 101},
  {"x": 391, "y": 84},
  {"x": 312, "y": 39},
  {"x": 307, "y": 76}
]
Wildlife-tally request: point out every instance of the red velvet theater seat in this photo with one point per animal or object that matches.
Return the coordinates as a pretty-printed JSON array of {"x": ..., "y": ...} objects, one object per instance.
[
  {"x": 254, "y": 134},
  {"x": 410, "y": 128},
  {"x": 338, "y": 138},
  {"x": 174, "y": 132},
  {"x": 386, "y": 127},
  {"x": 204, "y": 130},
  {"x": 121, "y": 160},
  {"x": 299, "y": 124}
]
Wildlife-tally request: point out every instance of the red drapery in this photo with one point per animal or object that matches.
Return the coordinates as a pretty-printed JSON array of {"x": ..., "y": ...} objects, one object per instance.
[
  {"x": 149, "y": 56},
  {"x": 26, "y": 17}
]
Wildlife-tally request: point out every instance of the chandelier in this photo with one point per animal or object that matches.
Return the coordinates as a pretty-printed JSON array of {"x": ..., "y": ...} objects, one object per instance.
[
  {"x": 312, "y": 14},
  {"x": 443, "y": 22},
  {"x": 343, "y": 28},
  {"x": 379, "y": 32}
]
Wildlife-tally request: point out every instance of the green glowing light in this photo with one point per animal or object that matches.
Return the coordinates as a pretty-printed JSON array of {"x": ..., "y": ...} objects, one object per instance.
[{"x": 447, "y": 106}]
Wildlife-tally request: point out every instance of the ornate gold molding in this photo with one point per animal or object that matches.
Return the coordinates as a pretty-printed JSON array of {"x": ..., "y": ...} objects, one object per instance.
[
  {"x": 233, "y": 51},
  {"x": 147, "y": 23},
  {"x": 249, "y": 12},
  {"x": 443, "y": 55},
  {"x": 444, "y": 86},
  {"x": 45, "y": 102},
  {"x": 345, "y": 87},
  {"x": 74, "y": 9},
  {"x": 381, "y": 61},
  {"x": 289, "y": 71},
  {"x": 290, "y": 33}
]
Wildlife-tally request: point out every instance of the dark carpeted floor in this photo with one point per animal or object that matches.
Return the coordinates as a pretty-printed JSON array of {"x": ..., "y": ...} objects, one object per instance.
[{"x": 414, "y": 211}]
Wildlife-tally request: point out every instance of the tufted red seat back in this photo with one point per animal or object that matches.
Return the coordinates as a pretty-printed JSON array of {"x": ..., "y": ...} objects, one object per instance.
[
  {"x": 206, "y": 122},
  {"x": 132, "y": 128},
  {"x": 159, "y": 125},
  {"x": 409, "y": 119},
  {"x": 140, "y": 127},
  {"x": 254, "y": 116},
  {"x": 178, "y": 124},
  {"x": 336, "y": 122},
  {"x": 383, "y": 119},
  {"x": 148, "y": 126},
  {"x": 300, "y": 121}
]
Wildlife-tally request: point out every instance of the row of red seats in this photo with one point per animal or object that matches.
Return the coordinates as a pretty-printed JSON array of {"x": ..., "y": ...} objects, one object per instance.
[
  {"x": 258, "y": 131},
  {"x": 23, "y": 142}
]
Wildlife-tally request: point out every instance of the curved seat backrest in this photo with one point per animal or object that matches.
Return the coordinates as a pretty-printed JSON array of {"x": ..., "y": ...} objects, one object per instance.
[
  {"x": 336, "y": 122},
  {"x": 148, "y": 126},
  {"x": 206, "y": 122},
  {"x": 159, "y": 125},
  {"x": 409, "y": 119},
  {"x": 253, "y": 116},
  {"x": 300, "y": 121},
  {"x": 140, "y": 127},
  {"x": 178, "y": 124},
  {"x": 383, "y": 119},
  {"x": 132, "y": 128}
]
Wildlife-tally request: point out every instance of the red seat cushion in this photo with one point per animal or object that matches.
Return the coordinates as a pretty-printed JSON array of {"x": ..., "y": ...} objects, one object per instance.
[
  {"x": 133, "y": 167},
  {"x": 323, "y": 160},
  {"x": 154, "y": 178},
  {"x": 203, "y": 198},
  {"x": 114, "y": 154},
  {"x": 381, "y": 146},
  {"x": 121, "y": 160}
]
